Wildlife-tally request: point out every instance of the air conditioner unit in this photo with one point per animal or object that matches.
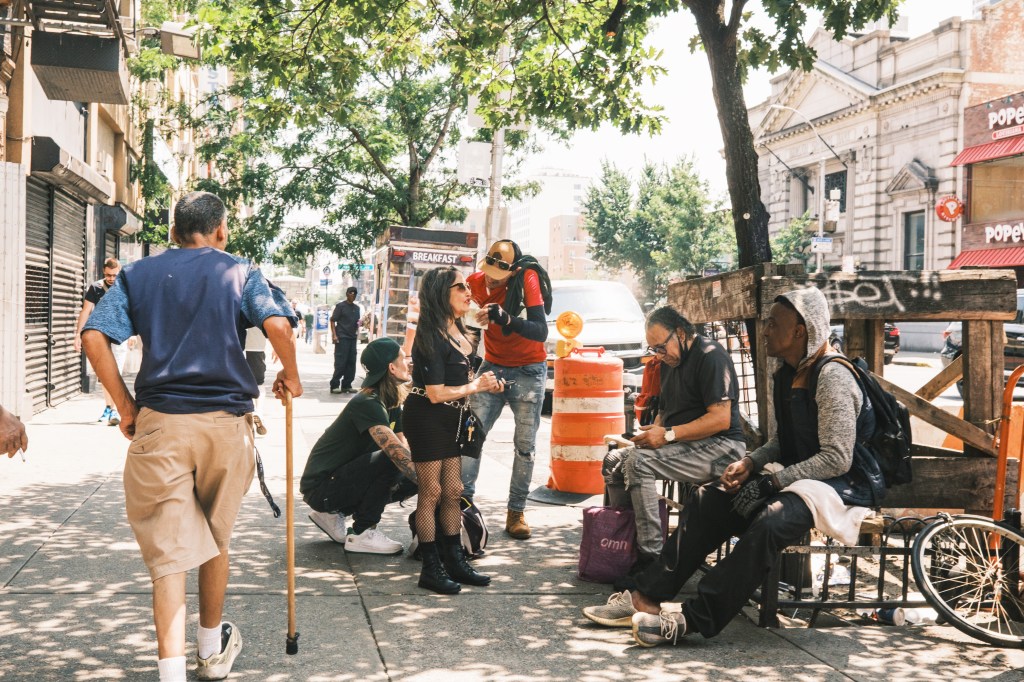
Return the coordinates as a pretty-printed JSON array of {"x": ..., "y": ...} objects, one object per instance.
[
  {"x": 57, "y": 166},
  {"x": 80, "y": 68}
]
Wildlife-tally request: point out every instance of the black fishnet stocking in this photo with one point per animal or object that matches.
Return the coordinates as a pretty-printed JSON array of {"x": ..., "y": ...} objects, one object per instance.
[{"x": 440, "y": 484}]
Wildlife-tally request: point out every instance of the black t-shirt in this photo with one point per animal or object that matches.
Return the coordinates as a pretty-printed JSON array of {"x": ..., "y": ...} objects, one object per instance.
[
  {"x": 95, "y": 291},
  {"x": 348, "y": 438},
  {"x": 445, "y": 365},
  {"x": 346, "y": 320},
  {"x": 705, "y": 376}
]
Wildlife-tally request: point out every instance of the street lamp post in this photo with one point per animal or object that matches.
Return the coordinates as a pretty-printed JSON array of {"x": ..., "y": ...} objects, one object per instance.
[{"x": 818, "y": 260}]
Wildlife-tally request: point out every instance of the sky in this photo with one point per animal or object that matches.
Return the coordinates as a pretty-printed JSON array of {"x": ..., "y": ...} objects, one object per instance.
[{"x": 685, "y": 93}]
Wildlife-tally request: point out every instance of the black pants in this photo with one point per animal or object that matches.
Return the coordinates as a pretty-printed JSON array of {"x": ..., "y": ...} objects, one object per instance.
[
  {"x": 344, "y": 363},
  {"x": 361, "y": 489},
  {"x": 706, "y": 521}
]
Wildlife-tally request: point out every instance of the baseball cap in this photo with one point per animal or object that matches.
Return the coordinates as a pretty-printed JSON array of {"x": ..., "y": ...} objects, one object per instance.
[
  {"x": 351, "y": 290},
  {"x": 376, "y": 357},
  {"x": 500, "y": 259}
]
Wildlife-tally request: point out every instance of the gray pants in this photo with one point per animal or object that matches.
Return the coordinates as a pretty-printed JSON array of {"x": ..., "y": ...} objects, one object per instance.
[{"x": 630, "y": 474}]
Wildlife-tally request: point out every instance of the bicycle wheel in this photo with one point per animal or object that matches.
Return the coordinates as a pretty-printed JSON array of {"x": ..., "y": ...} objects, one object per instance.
[{"x": 968, "y": 568}]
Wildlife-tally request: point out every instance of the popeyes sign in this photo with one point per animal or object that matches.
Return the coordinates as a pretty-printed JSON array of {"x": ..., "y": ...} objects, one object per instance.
[
  {"x": 996, "y": 120},
  {"x": 1004, "y": 233},
  {"x": 1006, "y": 121}
]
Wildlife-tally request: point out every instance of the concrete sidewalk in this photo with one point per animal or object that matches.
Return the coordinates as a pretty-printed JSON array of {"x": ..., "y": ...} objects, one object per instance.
[{"x": 75, "y": 598}]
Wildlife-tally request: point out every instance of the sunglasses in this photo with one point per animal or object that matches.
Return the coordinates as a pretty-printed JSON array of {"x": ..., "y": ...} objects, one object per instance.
[
  {"x": 661, "y": 348},
  {"x": 498, "y": 263},
  {"x": 461, "y": 286}
]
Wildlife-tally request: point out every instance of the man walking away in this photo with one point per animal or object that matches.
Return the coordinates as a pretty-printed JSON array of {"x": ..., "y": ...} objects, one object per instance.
[
  {"x": 344, "y": 333},
  {"x": 191, "y": 459}
]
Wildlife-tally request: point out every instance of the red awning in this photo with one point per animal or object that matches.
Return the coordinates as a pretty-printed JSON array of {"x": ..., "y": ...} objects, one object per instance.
[
  {"x": 1011, "y": 146},
  {"x": 1011, "y": 256}
]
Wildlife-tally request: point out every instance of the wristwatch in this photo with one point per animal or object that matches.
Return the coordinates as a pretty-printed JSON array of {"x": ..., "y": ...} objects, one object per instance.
[{"x": 670, "y": 435}]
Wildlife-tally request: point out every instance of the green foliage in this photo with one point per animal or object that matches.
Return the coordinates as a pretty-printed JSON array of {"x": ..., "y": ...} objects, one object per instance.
[
  {"x": 793, "y": 242},
  {"x": 671, "y": 228},
  {"x": 696, "y": 227}
]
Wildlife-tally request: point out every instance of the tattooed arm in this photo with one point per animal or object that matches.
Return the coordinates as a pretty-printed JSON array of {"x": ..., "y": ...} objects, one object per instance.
[{"x": 396, "y": 448}]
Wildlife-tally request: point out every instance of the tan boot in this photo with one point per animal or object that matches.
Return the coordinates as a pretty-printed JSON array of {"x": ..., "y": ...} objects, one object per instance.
[{"x": 516, "y": 526}]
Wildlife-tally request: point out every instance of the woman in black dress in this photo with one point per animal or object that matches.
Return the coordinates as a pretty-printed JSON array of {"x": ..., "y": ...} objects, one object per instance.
[{"x": 442, "y": 378}]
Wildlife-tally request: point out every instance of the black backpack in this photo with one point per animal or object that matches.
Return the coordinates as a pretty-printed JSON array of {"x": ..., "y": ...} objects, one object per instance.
[{"x": 891, "y": 441}]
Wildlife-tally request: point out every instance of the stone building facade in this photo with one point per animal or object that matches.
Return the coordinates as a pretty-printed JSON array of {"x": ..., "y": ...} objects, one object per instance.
[{"x": 880, "y": 119}]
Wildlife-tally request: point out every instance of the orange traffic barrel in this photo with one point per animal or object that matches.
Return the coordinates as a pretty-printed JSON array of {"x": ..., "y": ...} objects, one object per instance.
[{"x": 587, "y": 405}]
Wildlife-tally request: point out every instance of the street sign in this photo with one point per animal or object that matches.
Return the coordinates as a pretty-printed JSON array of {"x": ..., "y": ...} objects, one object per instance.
[
  {"x": 821, "y": 245},
  {"x": 327, "y": 271},
  {"x": 364, "y": 267},
  {"x": 474, "y": 163},
  {"x": 326, "y": 282}
]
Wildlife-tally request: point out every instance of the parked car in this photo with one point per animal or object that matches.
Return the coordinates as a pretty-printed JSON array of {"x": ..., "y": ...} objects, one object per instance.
[
  {"x": 612, "y": 318},
  {"x": 1013, "y": 354},
  {"x": 892, "y": 340}
]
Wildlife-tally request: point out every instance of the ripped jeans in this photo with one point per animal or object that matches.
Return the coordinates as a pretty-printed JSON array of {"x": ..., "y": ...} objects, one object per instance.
[
  {"x": 526, "y": 398},
  {"x": 630, "y": 474}
]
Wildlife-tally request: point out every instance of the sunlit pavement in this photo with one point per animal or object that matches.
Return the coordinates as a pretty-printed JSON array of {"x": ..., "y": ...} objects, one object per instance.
[{"x": 75, "y": 605}]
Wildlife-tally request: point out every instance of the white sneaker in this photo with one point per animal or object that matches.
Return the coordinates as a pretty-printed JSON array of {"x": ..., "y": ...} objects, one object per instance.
[
  {"x": 218, "y": 666},
  {"x": 372, "y": 541},
  {"x": 332, "y": 524}
]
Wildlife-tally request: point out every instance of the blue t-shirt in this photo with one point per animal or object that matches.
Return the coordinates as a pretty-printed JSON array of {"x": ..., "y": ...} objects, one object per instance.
[{"x": 191, "y": 308}]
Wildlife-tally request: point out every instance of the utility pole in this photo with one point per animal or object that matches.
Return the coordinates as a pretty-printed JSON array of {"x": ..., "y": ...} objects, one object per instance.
[{"x": 494, "y": 229}]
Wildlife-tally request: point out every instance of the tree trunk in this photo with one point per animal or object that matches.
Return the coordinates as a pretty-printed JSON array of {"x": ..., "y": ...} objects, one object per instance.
[{"x": 750, "y": 218}]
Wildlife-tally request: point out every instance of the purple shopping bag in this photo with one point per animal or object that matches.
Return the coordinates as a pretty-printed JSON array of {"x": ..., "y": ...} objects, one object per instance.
[{"x": 608, "y": 545}]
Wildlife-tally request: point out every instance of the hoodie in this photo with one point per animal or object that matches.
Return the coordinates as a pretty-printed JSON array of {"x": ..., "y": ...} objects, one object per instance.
[{"x": 837, "y": 396}]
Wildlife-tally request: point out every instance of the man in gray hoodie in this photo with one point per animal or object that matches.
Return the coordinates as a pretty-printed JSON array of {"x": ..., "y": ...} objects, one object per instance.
[{"x": 815, "y": 439}]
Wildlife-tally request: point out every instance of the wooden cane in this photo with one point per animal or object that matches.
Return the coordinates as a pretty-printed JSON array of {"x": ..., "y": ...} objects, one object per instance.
[{"x": 292, "y": 641}]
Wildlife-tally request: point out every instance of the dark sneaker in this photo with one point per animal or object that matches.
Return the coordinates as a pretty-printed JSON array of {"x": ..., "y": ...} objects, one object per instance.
[
  {"x": 668, "y": 627},
  {"x": 617, "y": 613},
  {"x": 218, "y": 666}
]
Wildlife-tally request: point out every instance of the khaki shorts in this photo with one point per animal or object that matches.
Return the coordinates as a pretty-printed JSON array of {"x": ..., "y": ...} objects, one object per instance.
[{"x": 184, "y": 479}]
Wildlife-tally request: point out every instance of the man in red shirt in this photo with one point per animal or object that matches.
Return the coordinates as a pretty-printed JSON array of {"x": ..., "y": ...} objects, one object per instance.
[{"x": 514, "y": 294}]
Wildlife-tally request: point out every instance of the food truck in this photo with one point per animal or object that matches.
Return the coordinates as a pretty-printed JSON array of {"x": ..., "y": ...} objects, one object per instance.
[{"x": 400, "y": 257}]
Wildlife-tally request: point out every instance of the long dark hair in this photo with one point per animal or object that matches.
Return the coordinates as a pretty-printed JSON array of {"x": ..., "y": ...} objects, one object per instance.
[
  {"x": 435, "y": 309},
  {"x": 389, "y": 390}
]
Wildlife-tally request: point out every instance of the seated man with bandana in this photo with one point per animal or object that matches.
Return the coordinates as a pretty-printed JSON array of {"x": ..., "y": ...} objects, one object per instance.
[{"x": 695, "y": 436}]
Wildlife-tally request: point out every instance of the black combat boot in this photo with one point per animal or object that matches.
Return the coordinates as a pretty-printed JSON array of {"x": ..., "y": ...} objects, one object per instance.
[
  {"x": 455, "y": 562},
  {"x": 432, "y": 575}
]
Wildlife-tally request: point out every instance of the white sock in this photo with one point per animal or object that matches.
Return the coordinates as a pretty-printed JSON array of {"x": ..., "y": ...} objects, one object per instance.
[
  {"x": 209, "y": 641},
  {"x": 172, "y": 669}
]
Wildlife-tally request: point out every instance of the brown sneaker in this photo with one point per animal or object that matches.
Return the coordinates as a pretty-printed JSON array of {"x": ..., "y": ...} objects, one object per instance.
[{"x": 516, "y": 526}]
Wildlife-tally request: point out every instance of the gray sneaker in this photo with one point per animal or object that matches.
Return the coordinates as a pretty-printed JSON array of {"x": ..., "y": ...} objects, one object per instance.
[
  {"x": 332, "y": 524},
  {"x": 668, "y": 627},
  {"x": 218, "y": 666},
  {"x": 617, "y": 613}
]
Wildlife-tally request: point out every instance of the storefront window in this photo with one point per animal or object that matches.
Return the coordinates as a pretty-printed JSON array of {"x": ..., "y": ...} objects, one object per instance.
[
  {"x": 913, "y": 241},
  {"x": 997, "y": 190}
]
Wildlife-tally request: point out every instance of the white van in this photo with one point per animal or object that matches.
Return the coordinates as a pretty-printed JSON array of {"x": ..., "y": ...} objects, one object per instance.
[{"x": 612, "y": 319}]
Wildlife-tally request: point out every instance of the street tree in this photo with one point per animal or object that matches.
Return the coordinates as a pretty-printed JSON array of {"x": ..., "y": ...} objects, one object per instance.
[
  {"x": 671, "y": 227},
  {"x": 353, "y": 109},
  {"x": 793, "y": 242},
  {"x": 611, "y": 33},
  {"x": 695, "y": 226},
  {"x": 621, "y": 229}
]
